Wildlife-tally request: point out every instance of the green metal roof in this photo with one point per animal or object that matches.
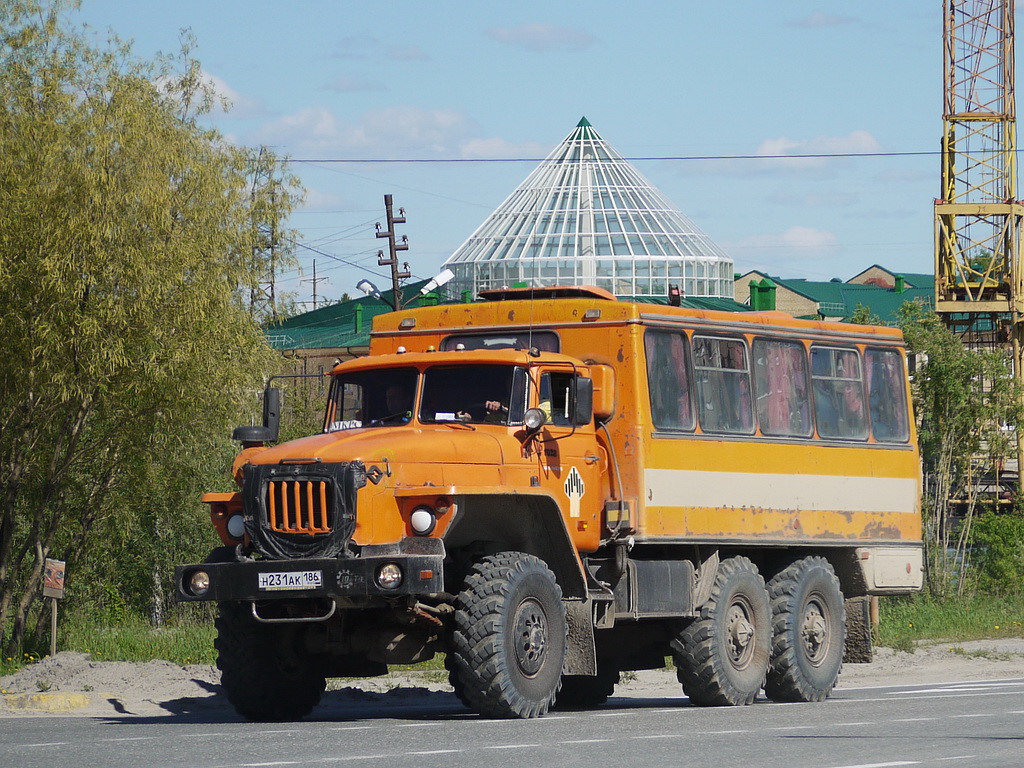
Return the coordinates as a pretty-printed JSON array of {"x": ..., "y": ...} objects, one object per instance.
[
  {"x": 345, "y": 324},
  {"x": 694, "y": 302},
  {"x": 842, "y": 299}
]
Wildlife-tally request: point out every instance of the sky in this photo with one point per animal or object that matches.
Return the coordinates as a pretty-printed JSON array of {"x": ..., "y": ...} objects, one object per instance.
[{"x": 501, "y": 84}]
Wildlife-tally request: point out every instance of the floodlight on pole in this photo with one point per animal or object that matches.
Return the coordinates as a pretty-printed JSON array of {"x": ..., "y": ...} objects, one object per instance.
[{"x": 443, "y": 277}]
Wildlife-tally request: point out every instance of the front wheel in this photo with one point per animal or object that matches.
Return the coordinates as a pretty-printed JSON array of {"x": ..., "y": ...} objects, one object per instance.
[
  {"x": 721, "y": 656},
  {"x": 508, "y": 644},
  {"x": 262, "y": 677},
  {"x": 808, "y": 625}
]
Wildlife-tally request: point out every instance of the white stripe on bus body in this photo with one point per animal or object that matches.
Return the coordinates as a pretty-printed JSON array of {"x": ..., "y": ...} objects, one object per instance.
[{"x": 812, "y": 493}]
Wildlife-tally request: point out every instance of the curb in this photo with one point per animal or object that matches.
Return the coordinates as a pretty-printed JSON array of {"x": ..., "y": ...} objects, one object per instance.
[{"x": 46, "y": 702}]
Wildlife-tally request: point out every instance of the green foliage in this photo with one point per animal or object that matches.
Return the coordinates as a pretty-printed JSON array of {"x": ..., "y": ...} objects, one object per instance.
[
  {"x": 998, "y": 552},
  {"x": 962, "y": 398},
  {"x": 905, "y": 621},
  {"x": 132, "y": 240}
]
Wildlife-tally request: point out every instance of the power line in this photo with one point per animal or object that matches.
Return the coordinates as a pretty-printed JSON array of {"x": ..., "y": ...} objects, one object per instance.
[{"x": 814, "y": 156}]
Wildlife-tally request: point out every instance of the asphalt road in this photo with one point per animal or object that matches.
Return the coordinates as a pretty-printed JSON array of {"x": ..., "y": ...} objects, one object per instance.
[{"x": 958, "y": 724}]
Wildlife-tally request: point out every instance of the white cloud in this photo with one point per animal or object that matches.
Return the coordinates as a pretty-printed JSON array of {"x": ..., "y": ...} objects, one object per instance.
[
  {"x": 539, "y": 36},
  {"x": 353, "y": 84},
  {"x": 239, "y": 105},
  {"x": 857, "y": 142},
  {"x": 391, "y": 132},
  {"x": 819, "y": 20},
  {"x": 796, "y": 242}
]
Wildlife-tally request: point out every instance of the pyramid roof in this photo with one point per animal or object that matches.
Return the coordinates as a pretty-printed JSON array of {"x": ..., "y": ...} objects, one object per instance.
[{"x": 586, "y": 216}]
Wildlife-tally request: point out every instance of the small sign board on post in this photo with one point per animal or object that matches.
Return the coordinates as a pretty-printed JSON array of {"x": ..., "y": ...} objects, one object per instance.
[{"x": 53, "y": 578}]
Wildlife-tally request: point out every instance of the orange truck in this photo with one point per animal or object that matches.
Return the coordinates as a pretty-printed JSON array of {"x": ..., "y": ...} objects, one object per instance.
[{"x": 551, "y": 487}]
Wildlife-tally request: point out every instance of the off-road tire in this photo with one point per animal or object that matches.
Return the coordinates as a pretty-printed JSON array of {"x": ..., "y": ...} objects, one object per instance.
[
  {"x": 808, "y": 631},
  {"x": 509, "y": 638},
  {"x": 262, "y": 680},
  {"x": 579, "y": 691},
  {"x": 453, "y": 679},
  {"x": 722, "y": 655}
]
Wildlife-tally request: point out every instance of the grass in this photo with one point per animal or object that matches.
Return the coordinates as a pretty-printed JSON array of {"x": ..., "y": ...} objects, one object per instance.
[
  {"x": 907, "y": 621},
  {"x": 188, "y": 639}
]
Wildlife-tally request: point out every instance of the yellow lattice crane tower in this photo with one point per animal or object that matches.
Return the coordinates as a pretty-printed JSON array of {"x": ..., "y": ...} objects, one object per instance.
[
  {"x": 979, "y": 285},
  {"x": 978, "y": 280}
]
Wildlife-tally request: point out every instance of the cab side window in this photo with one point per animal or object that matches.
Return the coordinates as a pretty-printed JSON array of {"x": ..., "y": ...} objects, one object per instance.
[
  {"x": 722, "y": 373},
  {"x": 780, "y": 381},
  {"x": 555, "y": 397},
  {"x": 839, "y": 410},
  {"x": 887, "y": 395},
  {"x": 668, "y": 380}
]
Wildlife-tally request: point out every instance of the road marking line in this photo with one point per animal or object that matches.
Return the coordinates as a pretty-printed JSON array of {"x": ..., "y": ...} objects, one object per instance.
[
  {"x": 928, "y": 698},
  {"x": 881, "y": 765},
  {"x": 414, "y": 725},
  {"x": 1016, "y": 680},
  {"x": 586, "y": 741},
  {"x": 47, "y": 744},
  {"x": 131, "y": 738},
  {"x": 719, "y": 733},
  {"x": 866, "y": 723},
  {"x": 660, "y": 736},
  {"x": 976, "y": 714},
  {"x": 914, "y": 719},
  {"x": 353, "y": 728},
  {"x": 958, "y": 757},
  {"x": 514, "y": 746},
  {"x": 791, "y": 727},
  {"x": 435, "y": 752},
  {"x": 612, "y": 714},
  {"x": 263, "y": 765}
]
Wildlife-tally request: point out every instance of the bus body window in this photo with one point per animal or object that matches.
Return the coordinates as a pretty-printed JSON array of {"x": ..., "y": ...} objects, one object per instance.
[
  {"x": 723, "y": 385},
  {"x": 780, "y": 383},
  {"x": 668, "y": 380},
  {"x": 887, "y": 397},
  {"x": 838, "y": 393}
]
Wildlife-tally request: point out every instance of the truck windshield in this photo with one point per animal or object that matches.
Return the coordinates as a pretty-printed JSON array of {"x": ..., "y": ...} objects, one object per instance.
[
  {"x": 484, "y": 394},
  {"x": 375, "y": 398}
]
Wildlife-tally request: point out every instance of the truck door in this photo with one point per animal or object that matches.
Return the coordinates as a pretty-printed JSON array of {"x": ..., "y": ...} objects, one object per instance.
[{"x": 570, "y": 463}]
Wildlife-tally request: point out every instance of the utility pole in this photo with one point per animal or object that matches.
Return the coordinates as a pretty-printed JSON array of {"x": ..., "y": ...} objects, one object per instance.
[
  {"x": 314, "y": 280},
  {"x": 393, "y": 247}
]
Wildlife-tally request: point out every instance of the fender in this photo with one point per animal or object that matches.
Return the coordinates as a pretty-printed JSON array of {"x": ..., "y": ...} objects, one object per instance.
[{"x": 524, "y": 522}]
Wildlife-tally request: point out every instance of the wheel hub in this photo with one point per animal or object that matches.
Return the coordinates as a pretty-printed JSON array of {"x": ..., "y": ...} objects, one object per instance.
[
  {"x": 739, "y": 633},
  {"x": 814, "y": 632},
  {"x": 530, "y": 637}
]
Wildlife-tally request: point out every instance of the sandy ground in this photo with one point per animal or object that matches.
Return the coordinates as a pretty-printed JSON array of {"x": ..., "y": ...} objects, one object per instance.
[{"x": 74, "y": 684}]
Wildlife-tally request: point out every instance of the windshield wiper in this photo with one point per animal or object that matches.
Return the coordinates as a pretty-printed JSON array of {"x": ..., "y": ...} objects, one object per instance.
[{"x": 458, "y": 424}]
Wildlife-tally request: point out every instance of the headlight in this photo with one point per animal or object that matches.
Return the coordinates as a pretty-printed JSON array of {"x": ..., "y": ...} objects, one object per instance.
[
  {"x": 389, "y": 576},
  {"x": 199, "y": 583},
  {"x": 236, "y": 526},
  {"x": 534, "y": 419},
  {"x": 422, "y": 520}
]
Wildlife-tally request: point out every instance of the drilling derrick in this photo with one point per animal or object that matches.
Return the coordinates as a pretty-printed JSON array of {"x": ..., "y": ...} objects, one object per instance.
[{"x": 978, "y": 285}]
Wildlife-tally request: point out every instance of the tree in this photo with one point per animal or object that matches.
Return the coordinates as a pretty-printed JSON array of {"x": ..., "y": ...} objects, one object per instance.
[
  {"x": 127, "y": 242},
  {"x": 964, "y": 399}
]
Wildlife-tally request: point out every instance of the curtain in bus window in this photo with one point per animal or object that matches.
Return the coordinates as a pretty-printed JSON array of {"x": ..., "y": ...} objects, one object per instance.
[
  {"x": 668, "y": 380},
  {"x": 723, "y": 385},
  {"x": 780, "y": 381},
  {"x": 887, "y": 396},
  {"x": 838, "y": 393}
]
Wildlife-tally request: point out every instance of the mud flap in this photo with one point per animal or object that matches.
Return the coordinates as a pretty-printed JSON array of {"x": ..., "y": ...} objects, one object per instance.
[
  {"x": 858, "y": 630},
  {"x": 580, "y": 650}
]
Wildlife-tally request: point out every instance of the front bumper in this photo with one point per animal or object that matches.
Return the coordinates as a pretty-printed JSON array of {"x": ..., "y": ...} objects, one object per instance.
[{"x": 354, "y": 577}]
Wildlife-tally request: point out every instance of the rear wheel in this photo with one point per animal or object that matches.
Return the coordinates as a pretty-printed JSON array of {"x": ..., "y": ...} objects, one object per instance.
[
  {"x": 262, "y": 677},
  {"x": 808, "y": 628},
  {"x": 509, "y": 640},
  {"x": 722, "y": 655}
]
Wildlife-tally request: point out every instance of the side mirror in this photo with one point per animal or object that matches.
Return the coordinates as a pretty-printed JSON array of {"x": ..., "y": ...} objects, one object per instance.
[
  {"x": 271, "y": 421},
  {"x": 272, "y": 411},
  {"x": 583, "y": 405}
]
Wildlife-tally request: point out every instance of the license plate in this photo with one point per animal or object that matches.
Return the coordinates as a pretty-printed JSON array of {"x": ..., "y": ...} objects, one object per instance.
[{"x": 292, "y": 580}]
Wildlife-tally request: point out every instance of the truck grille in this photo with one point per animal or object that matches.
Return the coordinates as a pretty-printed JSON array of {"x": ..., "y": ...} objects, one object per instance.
[{"x": 300, "y": 506}]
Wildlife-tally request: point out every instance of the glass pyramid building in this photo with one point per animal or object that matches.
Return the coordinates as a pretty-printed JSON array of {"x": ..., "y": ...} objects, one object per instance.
[{"x": 585, "y": 216}]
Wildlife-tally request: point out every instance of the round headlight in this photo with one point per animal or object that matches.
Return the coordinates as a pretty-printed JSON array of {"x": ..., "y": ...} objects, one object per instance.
[
  {"x": 236, "y": 526},
  {"x": 534, "y": 419},
  {"x": 199, "y": 583},
  {"x": 389, "y": 576},
  {"x": 422, "y": 520}
]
